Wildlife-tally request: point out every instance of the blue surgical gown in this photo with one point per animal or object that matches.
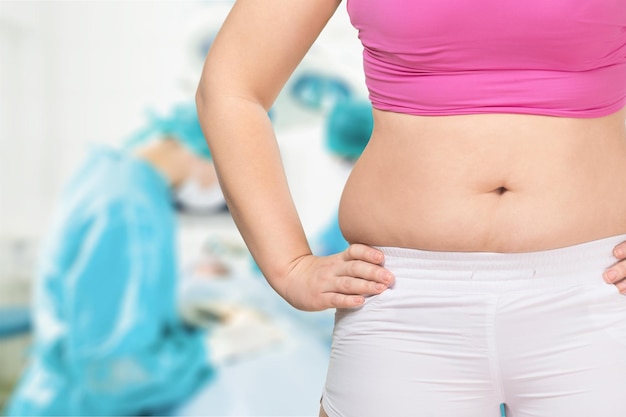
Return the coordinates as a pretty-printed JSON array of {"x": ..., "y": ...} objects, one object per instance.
[{"x": 108, "y": 339}]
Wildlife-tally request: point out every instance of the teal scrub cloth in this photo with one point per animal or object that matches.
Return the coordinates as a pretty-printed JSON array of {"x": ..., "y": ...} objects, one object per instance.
[{"x": 107, "y": 337}]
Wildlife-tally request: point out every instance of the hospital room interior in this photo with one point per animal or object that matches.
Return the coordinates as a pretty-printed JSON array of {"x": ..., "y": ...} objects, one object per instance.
[{"x": 86, "y": 85}]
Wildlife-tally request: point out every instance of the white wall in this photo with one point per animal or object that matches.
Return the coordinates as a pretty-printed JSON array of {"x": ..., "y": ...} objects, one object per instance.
[
  {"x": 23, "y": 95},
  {"x": 74, "y": 73},
  {"x": 78, "y": 72}
]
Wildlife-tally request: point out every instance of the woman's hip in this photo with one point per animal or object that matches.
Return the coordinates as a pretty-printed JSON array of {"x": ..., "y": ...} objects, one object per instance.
[{"x": 462, "y": 326}]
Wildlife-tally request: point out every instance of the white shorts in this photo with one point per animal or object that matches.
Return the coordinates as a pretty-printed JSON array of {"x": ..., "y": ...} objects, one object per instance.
[{"x": 461, "y": 333}]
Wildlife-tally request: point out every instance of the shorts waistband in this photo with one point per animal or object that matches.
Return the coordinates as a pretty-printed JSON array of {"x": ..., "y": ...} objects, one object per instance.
[{"x": 593, "y": 255}]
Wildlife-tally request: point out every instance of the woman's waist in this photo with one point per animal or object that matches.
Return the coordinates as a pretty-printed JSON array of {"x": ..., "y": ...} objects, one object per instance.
[
  {"x": 528, "y": 218},
  {"x": 483, "y": 153},
  {"x": 506, "y": 184},
  {"x": 594, "y": 255},
  {"x": 419, "y": 273}
]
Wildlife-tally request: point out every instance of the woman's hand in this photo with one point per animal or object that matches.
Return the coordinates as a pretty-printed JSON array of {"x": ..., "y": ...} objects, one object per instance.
[
  {"x": 616, "y": 274},
  {"x": 338, "y": 281}
]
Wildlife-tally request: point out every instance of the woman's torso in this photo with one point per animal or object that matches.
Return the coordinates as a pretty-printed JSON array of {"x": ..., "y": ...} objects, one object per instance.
[{"x": 490, "y": 182}]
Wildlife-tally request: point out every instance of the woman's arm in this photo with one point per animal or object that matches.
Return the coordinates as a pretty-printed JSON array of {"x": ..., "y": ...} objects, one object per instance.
[{"x": 253, "y": 55}]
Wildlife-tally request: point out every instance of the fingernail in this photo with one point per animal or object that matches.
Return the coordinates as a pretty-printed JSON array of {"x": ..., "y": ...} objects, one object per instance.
[
  {"x": 380, "y": 287},
  {"x": 619, "y": 253},
  {"x": 387, "y": 278},
  {"x": 610, "y": 276}
]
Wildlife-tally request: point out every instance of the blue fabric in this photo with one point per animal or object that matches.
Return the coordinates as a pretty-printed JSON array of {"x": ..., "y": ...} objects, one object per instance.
[
  {"x": 330, "y": 240},
  {"x": 14, "y": 321},
  {"x": 108, "y": 340}
]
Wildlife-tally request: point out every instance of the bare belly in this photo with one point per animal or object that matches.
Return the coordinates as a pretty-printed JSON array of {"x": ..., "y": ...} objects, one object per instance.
[{"x": 498, "y": 183}]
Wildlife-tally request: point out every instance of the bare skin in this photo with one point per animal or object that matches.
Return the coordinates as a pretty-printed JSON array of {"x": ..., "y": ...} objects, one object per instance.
[
  {"x": 176, "y": 163},
  {"x": 504, "y": 183},
  {"x": 498, "y": 183}
]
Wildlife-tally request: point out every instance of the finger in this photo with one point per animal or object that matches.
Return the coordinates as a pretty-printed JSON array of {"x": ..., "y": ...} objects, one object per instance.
[
  {"x": 356, "y": 286},
  {"x": 334, "y": 300},
  {"x": 615, "y": 273},
  {"x": 364, "y": 253},
  {"x": 366, "y": 271},
  {"x": 620, "y": 251}
]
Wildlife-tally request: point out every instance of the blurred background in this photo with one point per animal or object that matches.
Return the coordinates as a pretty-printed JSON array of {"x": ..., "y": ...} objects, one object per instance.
[{"x": 74, "y": 74}]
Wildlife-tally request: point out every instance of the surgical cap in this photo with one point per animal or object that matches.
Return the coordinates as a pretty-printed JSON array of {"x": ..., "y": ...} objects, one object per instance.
[
  {"x": 181, "y": 124},
  {"x": 348, "y": 127}
]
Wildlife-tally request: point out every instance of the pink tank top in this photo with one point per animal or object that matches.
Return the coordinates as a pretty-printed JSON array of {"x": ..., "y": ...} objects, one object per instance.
[{"x": 447, "y": 57}]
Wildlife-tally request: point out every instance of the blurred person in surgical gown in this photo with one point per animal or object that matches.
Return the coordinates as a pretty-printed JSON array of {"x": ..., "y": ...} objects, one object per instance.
[{"x": 108, "y": 339}]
